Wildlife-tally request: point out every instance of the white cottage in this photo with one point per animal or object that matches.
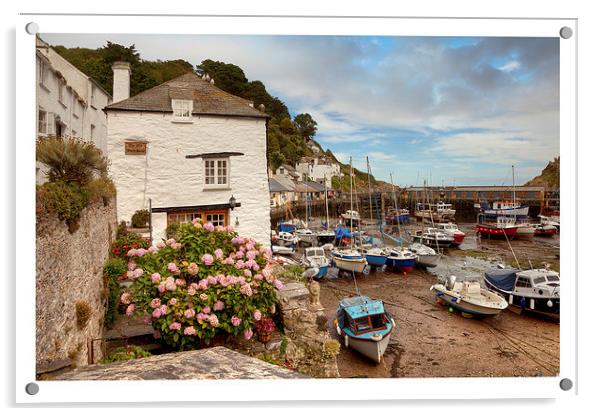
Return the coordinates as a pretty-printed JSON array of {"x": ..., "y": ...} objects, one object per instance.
[{"x": 188, "y": 149}]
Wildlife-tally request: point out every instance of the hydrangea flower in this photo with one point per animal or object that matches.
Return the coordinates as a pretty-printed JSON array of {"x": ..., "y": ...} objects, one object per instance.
[
  {"x": 248, "y": 334},
  {"x": 189, "y": 330},
  {"x": 257, "y": 315},
  {"x": 207, "y": 259},
  {"x": 126, "y": 298},
  {"x": 130, "y": 309},
  {"x": 219, "y": 306},
  {"x": 189, "y": 313},
  {"x": 203, "y": 296},
  {"x": 246, "y": 290},
  {"x": 235, "y": 320},
  {"x": 213, "y": 320},
  {"x": 278, "y": 284},
  {"x": 131, "y": 265},
  {"x": 170, "y": 241},
  {"x": 229, "y": 261},
  {"x": 175, "y": 326},
  {"x": 173, "y": 301},
  {"x": 206, "y": 309},
  {"x": 155, "y": 303},
  {"x": 156, "y": 278},
  {"x": 219, "y": 253},
  {"x": 172, "y": 267},
  {"x": 209, "y": 227},
  {"x": 137, "y": 273},
  {"x": 160, "y": 244}
]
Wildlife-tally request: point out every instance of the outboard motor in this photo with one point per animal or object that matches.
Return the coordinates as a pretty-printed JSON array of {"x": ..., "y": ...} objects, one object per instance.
[{"x": 450, "y": 282}]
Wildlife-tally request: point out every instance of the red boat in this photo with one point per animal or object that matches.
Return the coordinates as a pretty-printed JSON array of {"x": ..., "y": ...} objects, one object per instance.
[
  {"x": 544, "y": 230},
  {"x": 453, "y": 231},
  {"x": 502, "y": 228}
]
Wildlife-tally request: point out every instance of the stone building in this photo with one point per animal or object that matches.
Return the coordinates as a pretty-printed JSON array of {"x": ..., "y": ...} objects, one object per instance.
[{"x": 187, "y": 149}]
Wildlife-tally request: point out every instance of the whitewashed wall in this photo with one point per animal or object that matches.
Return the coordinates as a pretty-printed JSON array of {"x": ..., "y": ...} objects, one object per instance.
[{"x": 169, "y": 179}]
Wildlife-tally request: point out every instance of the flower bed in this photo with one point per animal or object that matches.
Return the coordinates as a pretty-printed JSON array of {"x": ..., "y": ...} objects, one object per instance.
[{"x": 210, "y": 281}]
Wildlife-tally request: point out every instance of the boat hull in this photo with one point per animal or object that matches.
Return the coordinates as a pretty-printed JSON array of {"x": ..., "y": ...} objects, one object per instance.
[
  {"x": 325, "y": 239},
  {"x": 404, "y": 265},
  {"x": 428, "y": 260},
  {"x": 350, "y": 265},
  {"x": 496, "y": 232},
  {"x": 376, "y": 260},
  {"x": 322, "y": 272},
  {"x": 458, "y": 239},
  {"x": 466, "y": 306},
  {"x": 369, "y": 348}
]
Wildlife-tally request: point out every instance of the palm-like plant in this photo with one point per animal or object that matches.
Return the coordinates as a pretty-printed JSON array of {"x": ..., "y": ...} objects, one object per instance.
[{"x": 71, "y": 160}]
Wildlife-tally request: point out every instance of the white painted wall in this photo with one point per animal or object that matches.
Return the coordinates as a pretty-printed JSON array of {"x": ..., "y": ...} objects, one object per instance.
[
  {"x": 169, "y": 179},
  {"x": 121, "y": 81},
  {"x": 316, "y": 171}
]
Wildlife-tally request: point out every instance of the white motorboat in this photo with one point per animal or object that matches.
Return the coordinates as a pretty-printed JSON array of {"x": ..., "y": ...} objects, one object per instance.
[
  {"x": 305, "y": 235},
  {"x": 427, "y": 257},
  {"x": 351, "y": 215},
  {"x": 432, "y": 238},
  {"x": 534, "y": 291},
  {"x": 450, "y": 229},
  {"x": 316, "y": 258},
  {"x": 284, "y": 239},
  {"x": 507, "y": 208},
  {"x": 469, "y": 297},
  {"x": 283, "y": 250}
]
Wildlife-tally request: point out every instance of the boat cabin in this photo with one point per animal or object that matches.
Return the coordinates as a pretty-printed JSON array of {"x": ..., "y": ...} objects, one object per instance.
[
  {"x": 505, "y": 205},
  {"x": 363, "y": 315},
  {"x": 313, "y": 252},
  {"x": 447, "y": 226}
]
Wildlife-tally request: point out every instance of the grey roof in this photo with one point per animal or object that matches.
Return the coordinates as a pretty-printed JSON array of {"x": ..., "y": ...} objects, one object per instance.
[
  {"x": 310, "y": 186},
  {"x": 206, "y": 97},
  {"x": 276, "y": 185}
]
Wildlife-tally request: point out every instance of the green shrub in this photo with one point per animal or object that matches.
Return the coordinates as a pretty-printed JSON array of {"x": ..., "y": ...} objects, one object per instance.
[
  {"x": 101, "y": 189},
  {"x": 140, "y": 219},
  {"x": 131, "y": 352},
  {"x": 114, "y": 268},
  {"x": 172, "y": 230},
  {"x": 71, "y": 160},
  {"x": 66, "y": 200},
  {"x": 122, "y": 229}
]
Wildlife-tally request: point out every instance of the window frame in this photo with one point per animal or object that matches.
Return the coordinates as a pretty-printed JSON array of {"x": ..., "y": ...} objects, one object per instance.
[
  {"x": 43, "y": 74},
  {"x": 178, "y": 118},
  {"x": 61, "y": 92},
  {"x": 216, "y": 175}
]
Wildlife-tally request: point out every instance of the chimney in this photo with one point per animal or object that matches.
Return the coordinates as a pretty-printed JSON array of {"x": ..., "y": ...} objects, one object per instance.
[{"x": 121, "y": 81}]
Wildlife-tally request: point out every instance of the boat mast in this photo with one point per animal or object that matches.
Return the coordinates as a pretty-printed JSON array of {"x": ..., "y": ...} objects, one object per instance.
[
  {"x": 513, "y": 189},
  {"x": 351, "y": 196},
  {"x": 396, "y": 212},
  {"x": 326, "y": 197},
  {"x": 369, "y": 188}
]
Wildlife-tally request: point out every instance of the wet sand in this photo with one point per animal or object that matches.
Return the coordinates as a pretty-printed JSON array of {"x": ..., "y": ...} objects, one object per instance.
[{"x": 430, "y": 341}]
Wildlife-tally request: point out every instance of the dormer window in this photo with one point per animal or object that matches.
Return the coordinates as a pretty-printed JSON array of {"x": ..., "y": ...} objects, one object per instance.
[{"x": 182, "y": 110}]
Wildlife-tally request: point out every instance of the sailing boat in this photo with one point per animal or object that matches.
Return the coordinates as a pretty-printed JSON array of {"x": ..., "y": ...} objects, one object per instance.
[
  {"x": 399, "y": 258},
  {"x": 375, "y": 256},
  {"x": 305, "y": 234},
  {"x": 326, "y": 236},
  {"x": 349, "y": 259}
]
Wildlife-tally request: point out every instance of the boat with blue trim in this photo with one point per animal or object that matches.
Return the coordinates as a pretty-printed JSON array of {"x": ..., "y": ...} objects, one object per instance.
[
  {"x": 365, "y": 326},
  {"x": 400, "y": 259},
  {"x": 349, "y": 259},
  {"x": 375, "y": 256}
]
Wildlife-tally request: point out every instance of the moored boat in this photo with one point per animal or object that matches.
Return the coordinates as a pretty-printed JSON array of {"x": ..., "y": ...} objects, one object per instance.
[
  {"x": 400, "y": 259},
  {"x": 469, "y": 297},
  {"x": 395, "y": 216},
  {"x": 349, "y": 259},
  {"x": 365, "y": 326},
  {"x": 427, "y": 257},
  {"x": 325, "y": 237},
  {"x": 506, "y": 208},
  {"x": 305, "y": 235},
  {"x": 351, "y": 217},
  {"x": 450, "y": 229},
  {"x": 375, "y": 256},
  {"x": 525, "y": 230},
  {"x": 433, "y": 238},
  {"x": 534, "y": 291},
  {"x": 545, "y": 230},
  {"x": 502, "y": 227},
  {"x": 316, "y": 258},
  {"x": 283, "y": 238}
]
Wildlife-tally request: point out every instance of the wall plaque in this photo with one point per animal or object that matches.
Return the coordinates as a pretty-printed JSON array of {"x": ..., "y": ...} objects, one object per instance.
[{"x": 135, "y": 148}]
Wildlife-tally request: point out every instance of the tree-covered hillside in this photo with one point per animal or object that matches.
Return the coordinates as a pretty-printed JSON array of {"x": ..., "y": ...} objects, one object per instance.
[{"x": 549, "y": 177}]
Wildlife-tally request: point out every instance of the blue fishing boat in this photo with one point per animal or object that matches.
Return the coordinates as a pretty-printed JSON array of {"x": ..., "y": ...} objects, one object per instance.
[
  {"x": 401, "y": 259},
  {"x": 364, "y": 326}
]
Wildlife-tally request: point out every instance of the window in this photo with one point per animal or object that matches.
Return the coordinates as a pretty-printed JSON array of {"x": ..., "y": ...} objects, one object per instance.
[
  {"x": 45, "y": 122},
  {"x": 42, "y": 74},
  {"x": 523, "y": 282},
  {"x": 182, "y": 109},
  {"x": 214, "y": 217},
  {"x": 216, "y": 172},
  {"x": 92, "y": 131},
  {"x": 92, "y": 95}
]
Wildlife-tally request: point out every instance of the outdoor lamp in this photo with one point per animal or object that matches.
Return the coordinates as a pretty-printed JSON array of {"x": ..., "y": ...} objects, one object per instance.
[{"x": 232, "y": 202}]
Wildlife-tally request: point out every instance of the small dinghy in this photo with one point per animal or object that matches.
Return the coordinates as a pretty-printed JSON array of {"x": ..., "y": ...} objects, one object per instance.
[
  {"x": 284, "y": 238},
  {"x": 400, "y": 259},
  {"x": 427, "y": 257},
  {"x": 469, "y": 297},
  {"x": 305, "y": 235},
  {"x": 283, "y": 250},
  {"x": 364, "y": 326},
  {"x": 349, "y": 259},
  {"x": 545, "y": 230},
  {"x": 316, "y": 258}
]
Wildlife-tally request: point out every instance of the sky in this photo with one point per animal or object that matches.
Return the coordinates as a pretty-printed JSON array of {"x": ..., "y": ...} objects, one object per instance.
[{"x": 449, "y": 110}]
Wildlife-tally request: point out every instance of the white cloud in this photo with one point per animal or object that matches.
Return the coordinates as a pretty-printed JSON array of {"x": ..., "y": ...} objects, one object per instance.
[{"x": 510, "y": 66}]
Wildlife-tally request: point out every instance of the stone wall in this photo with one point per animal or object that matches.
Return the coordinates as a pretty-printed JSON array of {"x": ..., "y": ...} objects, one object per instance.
[{"x": 70, "y": 289}]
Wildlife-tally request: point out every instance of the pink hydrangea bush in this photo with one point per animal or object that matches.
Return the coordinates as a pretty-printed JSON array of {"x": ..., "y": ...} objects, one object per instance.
[{"x": 208, "y": 282}]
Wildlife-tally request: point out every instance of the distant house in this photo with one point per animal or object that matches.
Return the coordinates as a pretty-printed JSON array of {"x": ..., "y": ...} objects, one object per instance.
[
  {"x": 319, "y": 170},
  {"x": 70, "y": 103},
  {"x": 287, "y": 171},
  {"x": 187, "y": 149},
  {"x": 282, "y": 191}
]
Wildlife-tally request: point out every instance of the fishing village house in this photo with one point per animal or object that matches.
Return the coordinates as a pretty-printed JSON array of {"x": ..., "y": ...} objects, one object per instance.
[
  {"x": 70, "y": 103},
  {"x": 187, "y": 149},
  {"x": 319, "y": 169}
]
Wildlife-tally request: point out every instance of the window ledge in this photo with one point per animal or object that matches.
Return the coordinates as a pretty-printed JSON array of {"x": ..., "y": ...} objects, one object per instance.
[
  {"x": 217, "y": 188},
  {"x": 182, "y": 121}
]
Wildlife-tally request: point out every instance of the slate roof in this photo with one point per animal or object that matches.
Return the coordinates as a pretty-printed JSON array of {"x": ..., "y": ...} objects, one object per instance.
[
  {"x": 207, "y": 99},
  {"x": 281, "y": 185},
  {"x": 310, "y": 186}
]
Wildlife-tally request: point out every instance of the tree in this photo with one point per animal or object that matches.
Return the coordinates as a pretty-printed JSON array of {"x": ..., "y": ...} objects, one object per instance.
[
  {"x": 227, "y": 77},
  {"x": 306, "y": 125},
  {"x": 287, "y": 126},
  {"x": 276, "y": 160}
]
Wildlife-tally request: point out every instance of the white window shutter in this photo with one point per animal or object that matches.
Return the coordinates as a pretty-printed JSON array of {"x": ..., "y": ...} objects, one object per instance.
[{"x": 50, "y": 124}]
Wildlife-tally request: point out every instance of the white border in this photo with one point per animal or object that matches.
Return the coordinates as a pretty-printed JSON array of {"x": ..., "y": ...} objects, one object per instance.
[{"x": 262, "y": 390}]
